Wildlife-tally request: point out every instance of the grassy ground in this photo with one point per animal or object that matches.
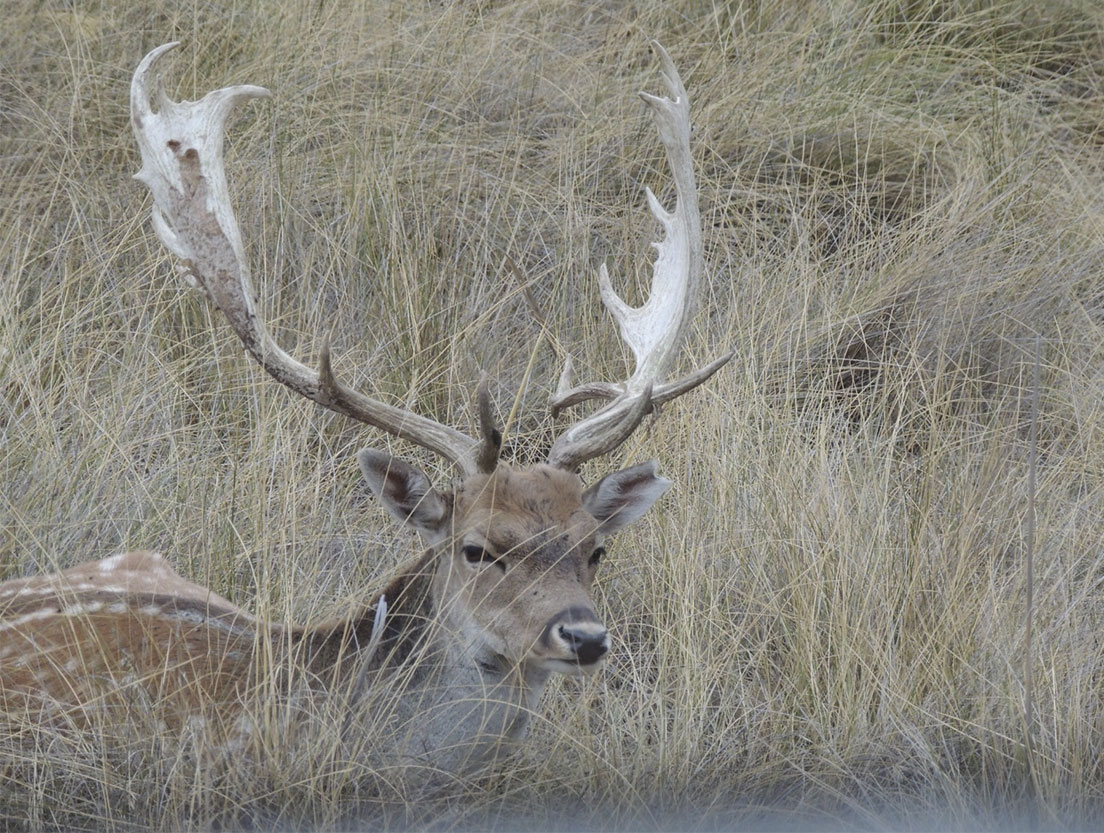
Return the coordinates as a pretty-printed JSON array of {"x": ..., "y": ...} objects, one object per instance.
[{"x": 823, "y": 623}]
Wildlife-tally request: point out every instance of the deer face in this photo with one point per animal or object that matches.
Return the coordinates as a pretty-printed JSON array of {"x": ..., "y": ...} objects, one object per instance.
[{"x": 518, "y": 553}]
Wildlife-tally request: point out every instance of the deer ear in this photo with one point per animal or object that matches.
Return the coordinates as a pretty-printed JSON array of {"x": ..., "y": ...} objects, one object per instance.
[
  {"x": 406, "y": 493},
  {"x": 620, "y": 498}
]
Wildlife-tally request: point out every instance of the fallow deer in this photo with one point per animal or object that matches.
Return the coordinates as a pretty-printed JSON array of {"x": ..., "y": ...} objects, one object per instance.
[{"x": 472, "y": 630}]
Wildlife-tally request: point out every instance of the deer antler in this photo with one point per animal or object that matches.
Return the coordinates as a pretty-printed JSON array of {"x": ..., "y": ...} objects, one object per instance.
[
  {"x": 653, "y": 331},
  {"x": 181, "y": 144}
]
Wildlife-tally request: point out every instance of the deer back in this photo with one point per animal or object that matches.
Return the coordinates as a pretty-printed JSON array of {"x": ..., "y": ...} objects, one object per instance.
[{"x": 122, "y": 632}]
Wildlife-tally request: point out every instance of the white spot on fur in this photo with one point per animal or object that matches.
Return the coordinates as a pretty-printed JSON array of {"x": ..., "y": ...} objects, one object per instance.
[
  {"x": 111, "y": 563},
  {"x": 193, "y": 616},
  {"x": 45, "y": 613},
  {"x": 78, "y": 609}
]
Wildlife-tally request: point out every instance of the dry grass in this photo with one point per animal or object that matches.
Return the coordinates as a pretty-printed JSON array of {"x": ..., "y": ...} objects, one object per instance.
[{"x": 823, "y": 623}]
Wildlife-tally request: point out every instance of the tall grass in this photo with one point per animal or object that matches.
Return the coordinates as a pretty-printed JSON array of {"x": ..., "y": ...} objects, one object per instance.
[{"x": 823, "y": 622}]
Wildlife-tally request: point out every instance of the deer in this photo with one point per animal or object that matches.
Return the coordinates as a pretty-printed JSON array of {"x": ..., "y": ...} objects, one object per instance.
[{"x": 467, "y": 634}]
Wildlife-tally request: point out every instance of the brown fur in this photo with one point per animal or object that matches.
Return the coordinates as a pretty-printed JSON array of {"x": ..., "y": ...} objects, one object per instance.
[
  {"x": 129, "y": 632},
  {"x": 409, "y": 606},
  {"x": 116, "y": 635},
  {"x": 499, "y": 602}
]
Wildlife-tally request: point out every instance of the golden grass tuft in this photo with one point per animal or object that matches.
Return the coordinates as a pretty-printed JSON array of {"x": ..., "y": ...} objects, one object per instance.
[{"x": 822, "y": 624}]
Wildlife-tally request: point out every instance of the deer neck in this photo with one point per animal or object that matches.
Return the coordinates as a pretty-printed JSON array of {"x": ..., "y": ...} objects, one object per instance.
[
  {"x": 451, "y": 702},
  {"x": 351, "y": 644},
  {"x": 469, "y": 700},
  {"x": 463, "y": 709}
]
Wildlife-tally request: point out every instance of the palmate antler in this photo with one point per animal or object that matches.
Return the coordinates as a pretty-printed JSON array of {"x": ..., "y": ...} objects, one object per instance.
[
  {"x": 654, "y": 331},
  {"x": 181, "y": 145}
]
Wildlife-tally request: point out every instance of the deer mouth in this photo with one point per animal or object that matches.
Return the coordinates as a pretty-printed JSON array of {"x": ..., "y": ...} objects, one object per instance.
[{"x": 573, "y": 667}]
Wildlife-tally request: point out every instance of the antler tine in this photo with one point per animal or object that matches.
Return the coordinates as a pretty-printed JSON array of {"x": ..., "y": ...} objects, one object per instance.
[
  {"x": 182, "y": 164},
  {"x": 653, "y": 331},
  {"x": 486, "y": 457}
]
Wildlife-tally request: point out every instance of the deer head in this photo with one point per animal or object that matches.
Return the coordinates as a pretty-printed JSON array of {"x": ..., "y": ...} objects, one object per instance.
[{"x": 516, "y": 549}]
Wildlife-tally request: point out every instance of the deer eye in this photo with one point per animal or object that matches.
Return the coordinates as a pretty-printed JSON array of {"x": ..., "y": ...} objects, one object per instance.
[
  {"x": 476, "y": 555},
  {"x": 596, "y": 556}
]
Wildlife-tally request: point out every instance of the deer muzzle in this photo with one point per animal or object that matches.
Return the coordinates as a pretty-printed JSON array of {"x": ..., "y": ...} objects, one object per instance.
[{"x": 577, "y": 637}]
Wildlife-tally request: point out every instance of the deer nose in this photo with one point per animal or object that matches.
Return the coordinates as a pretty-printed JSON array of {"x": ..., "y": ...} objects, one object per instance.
[{"x": 589, "y": 641}]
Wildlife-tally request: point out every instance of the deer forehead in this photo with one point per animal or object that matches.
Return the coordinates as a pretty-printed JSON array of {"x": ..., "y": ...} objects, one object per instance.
[
  {"x": 538, "y": 494},
  {"x": 523, "y": 507}
]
